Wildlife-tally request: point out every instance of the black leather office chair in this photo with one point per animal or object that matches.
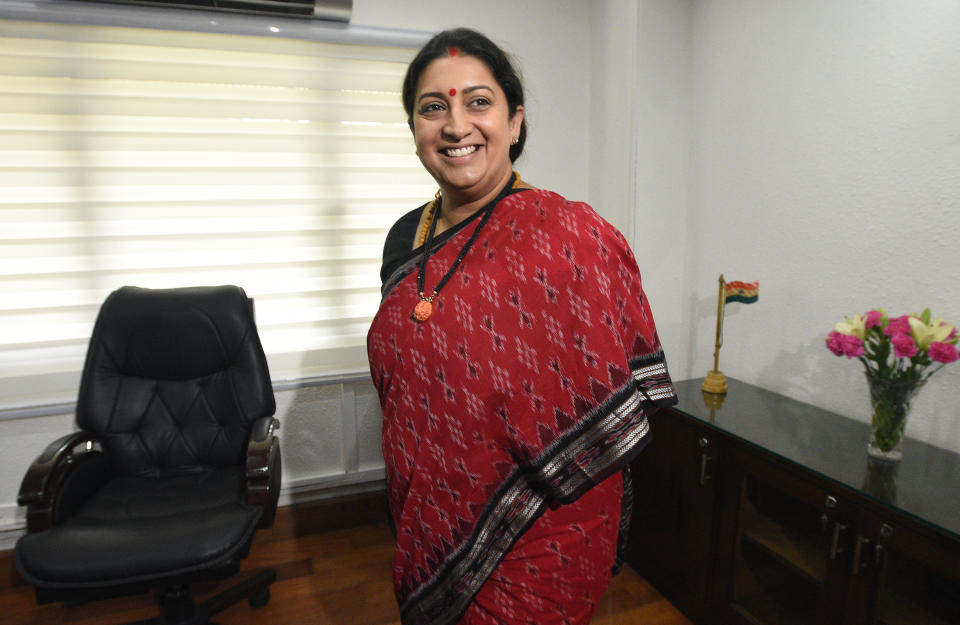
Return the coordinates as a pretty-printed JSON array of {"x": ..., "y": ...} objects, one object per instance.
[{"x": 175, "y": 464}]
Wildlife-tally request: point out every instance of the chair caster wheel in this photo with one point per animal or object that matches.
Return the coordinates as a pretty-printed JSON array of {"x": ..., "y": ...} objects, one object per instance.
[{"x": 260, "y": 599}]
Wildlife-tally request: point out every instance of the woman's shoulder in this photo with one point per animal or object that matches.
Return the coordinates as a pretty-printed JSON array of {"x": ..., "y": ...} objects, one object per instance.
[
  {"x": 569, "y": 217},
  {"x": 578, "y": 233},
  {"x": 553, "y": 201}
]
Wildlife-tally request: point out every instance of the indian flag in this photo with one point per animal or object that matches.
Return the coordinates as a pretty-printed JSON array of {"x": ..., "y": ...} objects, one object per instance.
[{"x": 745, "y": 292}]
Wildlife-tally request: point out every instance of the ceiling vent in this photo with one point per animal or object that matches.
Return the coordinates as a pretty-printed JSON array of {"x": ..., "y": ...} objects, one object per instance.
[{"x": 334, "y": 10}]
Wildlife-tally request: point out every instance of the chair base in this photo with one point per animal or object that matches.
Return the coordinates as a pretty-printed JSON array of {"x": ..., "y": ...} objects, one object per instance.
[{"x": 179, "y": 608}]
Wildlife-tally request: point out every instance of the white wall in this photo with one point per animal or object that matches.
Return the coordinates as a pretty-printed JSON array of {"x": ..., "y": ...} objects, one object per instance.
[
  {"x": 662, "y": 174},
  {"x": 640, "y": 146},
  {"x": 826, "y": 164},
  {"x": 612, "y": 145}
]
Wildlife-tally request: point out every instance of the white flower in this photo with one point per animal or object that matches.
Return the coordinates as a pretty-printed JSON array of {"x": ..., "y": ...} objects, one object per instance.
[
  {"x": 925, "y": 333},
  {"x": 855, "y": 326}
]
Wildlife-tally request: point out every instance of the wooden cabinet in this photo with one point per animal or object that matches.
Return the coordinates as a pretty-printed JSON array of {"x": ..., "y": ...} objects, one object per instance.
[
  {"x": 675, "y": 495},
  {"x": 918, "y": 579},
  {"x": 764, "y": 510}
]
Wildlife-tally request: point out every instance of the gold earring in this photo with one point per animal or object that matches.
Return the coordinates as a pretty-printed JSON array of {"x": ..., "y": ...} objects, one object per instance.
[{"x": 515, "y": 141}]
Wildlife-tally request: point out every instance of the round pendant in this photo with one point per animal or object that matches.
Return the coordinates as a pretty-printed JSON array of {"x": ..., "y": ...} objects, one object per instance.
[{"x": 423, "y": 310}]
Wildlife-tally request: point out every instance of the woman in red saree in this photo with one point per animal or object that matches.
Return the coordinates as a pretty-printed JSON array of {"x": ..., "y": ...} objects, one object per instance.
[{"x": 515, "y": 355}]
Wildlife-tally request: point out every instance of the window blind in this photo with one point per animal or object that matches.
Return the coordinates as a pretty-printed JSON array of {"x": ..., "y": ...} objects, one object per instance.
[{"x": 167, "y": 158}]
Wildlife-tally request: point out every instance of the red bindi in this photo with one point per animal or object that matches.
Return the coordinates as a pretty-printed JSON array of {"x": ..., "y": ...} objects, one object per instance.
[{"x": 453, "y": 91}]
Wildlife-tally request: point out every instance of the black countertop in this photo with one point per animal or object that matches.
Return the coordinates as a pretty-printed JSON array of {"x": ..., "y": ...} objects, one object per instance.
[{"x": 925, "y": 484}]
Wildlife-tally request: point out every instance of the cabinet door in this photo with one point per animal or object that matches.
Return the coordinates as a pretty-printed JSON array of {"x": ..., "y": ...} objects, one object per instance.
[
  {"x": 673, "y": 525},
  {"x": 786, "y": 549},
  {"x": 904, "y": 574}
]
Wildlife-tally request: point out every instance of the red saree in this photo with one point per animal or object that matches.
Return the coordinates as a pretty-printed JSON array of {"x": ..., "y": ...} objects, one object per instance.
[{"x": 525, "y": 390}]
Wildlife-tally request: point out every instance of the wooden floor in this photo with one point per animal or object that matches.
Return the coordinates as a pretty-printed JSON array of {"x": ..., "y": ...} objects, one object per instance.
[{"x": 339, "y": 577}]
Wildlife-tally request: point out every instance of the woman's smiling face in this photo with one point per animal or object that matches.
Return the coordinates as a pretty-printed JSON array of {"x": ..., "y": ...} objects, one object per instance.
[{"x": 462, "y": 127}]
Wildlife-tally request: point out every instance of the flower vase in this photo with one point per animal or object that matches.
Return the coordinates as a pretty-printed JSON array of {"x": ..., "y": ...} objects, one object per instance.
[
  {"x": 890, "y": 400},
  {"x": 880, "y": 480}
]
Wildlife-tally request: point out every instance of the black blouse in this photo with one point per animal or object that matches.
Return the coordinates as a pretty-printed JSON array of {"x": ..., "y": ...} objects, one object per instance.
[{"x": 396, "y": 249}]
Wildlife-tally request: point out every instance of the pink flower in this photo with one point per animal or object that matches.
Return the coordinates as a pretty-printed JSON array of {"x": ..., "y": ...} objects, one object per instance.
[
  {"x": 872, "y": 318},
  {"x": 943, "y": 352},
  {"x": 851, "y": 345},
  {"x": 904, "y": 346},
  {"x": 834, "y": 343},
  {"x": 898, "y": 325}
]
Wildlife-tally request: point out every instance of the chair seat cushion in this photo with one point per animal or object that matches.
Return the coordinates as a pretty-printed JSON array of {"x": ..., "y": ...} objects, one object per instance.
[{"x": 142, "y": 529}]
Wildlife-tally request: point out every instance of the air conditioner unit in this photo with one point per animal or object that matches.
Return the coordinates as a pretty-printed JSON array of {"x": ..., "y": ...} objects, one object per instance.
[{"x": 334, "y": 10}]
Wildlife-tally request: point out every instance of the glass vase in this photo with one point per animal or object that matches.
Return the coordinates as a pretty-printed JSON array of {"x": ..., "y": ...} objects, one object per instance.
[
  {"x": 890, "y": 400},
  {"x": 880, "y": 480}
]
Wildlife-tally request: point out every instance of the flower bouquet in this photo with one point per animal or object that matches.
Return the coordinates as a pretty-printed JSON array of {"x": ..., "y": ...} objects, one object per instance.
[{"x": 898, "y": 354}]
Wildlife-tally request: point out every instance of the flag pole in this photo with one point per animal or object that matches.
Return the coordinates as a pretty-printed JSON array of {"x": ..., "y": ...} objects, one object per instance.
[
  {"x": 719, "y": 338},
  {"x": 715, "y": 381}
]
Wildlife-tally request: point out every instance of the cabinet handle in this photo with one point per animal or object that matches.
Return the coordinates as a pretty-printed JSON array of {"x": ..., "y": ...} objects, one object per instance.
[
  {"x": 885, "y": 532},
  {"x": 878, "y": 554},
  {"x": 836, "y": 546},
  {"x": 828, "y": 506},
  {"x": 857, "y": 552},
  {"x": 704, "y": 459}
]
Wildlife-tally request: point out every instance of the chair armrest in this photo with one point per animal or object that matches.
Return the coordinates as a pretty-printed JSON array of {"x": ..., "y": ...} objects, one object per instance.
[
  {"x": 263, "y": 468},
  {"x": 40, "y": 488}
]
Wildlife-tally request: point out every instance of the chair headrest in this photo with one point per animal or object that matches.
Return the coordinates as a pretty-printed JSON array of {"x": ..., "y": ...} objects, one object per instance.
[{"x": 174, "y": 334}]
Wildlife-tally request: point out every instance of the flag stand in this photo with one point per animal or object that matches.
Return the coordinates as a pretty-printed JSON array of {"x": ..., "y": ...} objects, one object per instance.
[{"x": 715, "y": 381}]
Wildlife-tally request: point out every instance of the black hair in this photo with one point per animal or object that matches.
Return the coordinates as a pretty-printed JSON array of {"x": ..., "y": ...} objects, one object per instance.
[{"x": 470, "y": 43}]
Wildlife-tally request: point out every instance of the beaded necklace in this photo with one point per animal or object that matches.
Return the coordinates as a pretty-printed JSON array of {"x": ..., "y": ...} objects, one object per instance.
[
  {"x": 431, "y": 211},
  {"x": 424, "y": 308}
]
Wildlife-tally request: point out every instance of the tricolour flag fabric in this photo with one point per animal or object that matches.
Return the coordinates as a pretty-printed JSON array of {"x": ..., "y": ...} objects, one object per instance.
[{"x": 744, "y": 292}]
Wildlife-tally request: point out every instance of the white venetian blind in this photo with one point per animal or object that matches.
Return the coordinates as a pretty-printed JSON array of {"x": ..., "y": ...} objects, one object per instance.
[{"x": 165, "y": 158}]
